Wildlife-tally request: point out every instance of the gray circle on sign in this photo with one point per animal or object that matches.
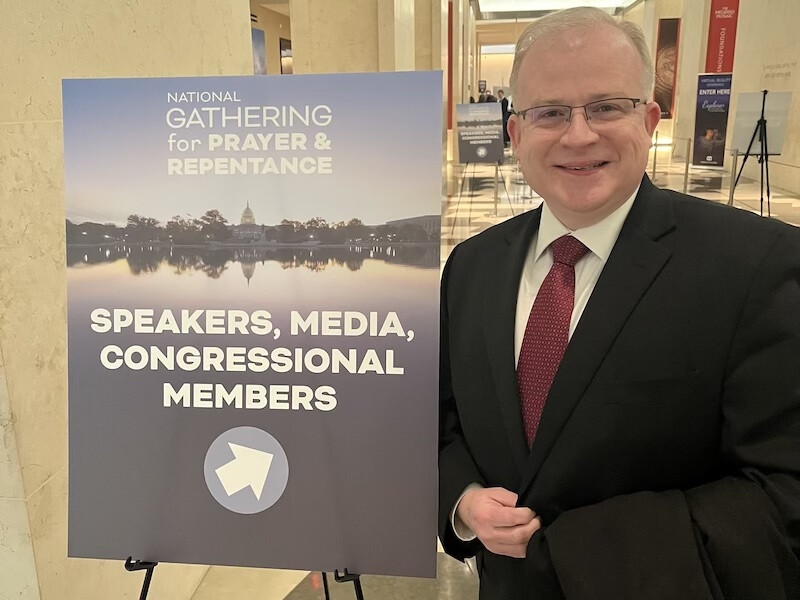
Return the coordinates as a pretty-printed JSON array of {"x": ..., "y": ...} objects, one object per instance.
[
  {"x": 482, "y": 151},
  {"x": 240, "y": 497}
]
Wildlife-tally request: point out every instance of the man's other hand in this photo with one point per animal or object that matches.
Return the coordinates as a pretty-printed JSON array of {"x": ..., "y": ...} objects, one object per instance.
[{"x": 491, "y": 513}]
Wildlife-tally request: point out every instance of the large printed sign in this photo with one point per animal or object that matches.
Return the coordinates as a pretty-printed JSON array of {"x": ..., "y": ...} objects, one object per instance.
[
  {"x": 711, "y": 119},
  {"x": 666, "y": 65},
  {"x": 722, "y": 36},
  {"x": 253, "y": 268},
  {"x": 480, "y": 132}
]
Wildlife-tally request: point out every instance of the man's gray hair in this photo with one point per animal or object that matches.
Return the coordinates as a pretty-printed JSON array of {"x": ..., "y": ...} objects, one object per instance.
[{"x": 585, "y": 17}]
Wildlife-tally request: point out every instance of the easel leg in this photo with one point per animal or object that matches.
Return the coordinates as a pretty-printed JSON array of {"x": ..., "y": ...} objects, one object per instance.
[
  {"x": 508, "y": 195},
  {"x": 733, "y": 175},
  {"x": 148, "y": 576},
  {"x": 746, "y": 155},
  {"x": 356, "y": 579},
  {"x": 761, "y": 164},
  {"x": 765, "y": 154},
  {"x": 138, "y": 565},
  {"x": 472, "y": 193},
  {"x": 458, "y": 202},
  {"x": 325, "y": 586},
  {"x": 496, "y": 175},
  {"x": 359, "y": 591}
]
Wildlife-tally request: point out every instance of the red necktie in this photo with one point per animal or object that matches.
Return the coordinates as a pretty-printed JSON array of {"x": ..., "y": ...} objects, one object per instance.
[{"x": 547, "y": 332}]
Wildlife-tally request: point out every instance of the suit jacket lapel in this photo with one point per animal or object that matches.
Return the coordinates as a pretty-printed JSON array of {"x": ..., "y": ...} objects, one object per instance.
[
  {"x": 638, "y": 256},
  {"x": 500, "y": 305}
]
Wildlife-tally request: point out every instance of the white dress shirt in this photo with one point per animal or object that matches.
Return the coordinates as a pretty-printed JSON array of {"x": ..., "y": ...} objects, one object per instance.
[{"x": 599, "y": 239}]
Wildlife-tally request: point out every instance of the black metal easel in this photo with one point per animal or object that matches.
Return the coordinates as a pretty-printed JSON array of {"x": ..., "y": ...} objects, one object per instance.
[
  {"x": 763, "y": 155},
  {"x": 347, "y": 576},
  {"x": 505, "y": 187},
  {"x": 461, "y": 191},
  {"x": 139, "y": 565}
]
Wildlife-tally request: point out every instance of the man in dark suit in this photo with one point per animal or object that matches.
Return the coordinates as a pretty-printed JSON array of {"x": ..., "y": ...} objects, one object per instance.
[
  {"x": 620, "y": 369},
  {"x": 501, "y": 95}
]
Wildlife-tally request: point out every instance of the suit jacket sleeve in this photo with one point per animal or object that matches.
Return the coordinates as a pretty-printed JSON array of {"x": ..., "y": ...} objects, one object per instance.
[
  {"x": 737, "y": 536},
  {"x": 457, "y": 469}
]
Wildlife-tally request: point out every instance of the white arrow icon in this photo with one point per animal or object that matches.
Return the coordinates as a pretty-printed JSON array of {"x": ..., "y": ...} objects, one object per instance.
[{"x": 248, "y": 469}]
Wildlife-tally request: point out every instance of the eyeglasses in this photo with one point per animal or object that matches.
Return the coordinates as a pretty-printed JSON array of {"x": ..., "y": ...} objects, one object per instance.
[{"x": 555, "y": 117}]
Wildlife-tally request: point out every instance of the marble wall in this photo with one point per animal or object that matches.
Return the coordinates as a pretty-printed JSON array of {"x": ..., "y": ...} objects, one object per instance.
[
  {"x": 43, "y": 42},
  {"x": 319, "y": 46}
]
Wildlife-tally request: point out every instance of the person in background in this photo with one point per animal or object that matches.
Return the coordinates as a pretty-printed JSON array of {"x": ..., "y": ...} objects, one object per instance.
[
  {"x": 501, "y": 95},
  {"x": 619, "y": 389}
]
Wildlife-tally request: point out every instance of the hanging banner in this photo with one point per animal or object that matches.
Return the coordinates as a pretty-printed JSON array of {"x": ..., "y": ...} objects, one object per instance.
[
  {"x": 722, "y": 36},
  {"x": 253, "y": 275},
  {"x": 480, "y": 132},
  {"x": 666, "y": 65},
  {"x": 711, "y": 119}
]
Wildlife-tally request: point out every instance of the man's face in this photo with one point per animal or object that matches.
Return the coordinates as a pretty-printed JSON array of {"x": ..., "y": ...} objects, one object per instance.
[{"x": 586, "y": 170}]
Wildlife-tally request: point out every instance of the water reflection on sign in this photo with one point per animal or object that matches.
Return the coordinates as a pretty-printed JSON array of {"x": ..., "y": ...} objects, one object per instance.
[
  {"x": 214, "y": 261},
  {"x": 370, "y": 276}
]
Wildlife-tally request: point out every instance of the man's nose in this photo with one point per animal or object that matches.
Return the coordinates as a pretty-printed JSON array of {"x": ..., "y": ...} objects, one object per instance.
[{"x": 579, "y": 131}]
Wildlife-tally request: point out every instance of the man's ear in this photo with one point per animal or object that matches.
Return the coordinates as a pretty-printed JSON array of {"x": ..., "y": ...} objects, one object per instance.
[
  {"x": 514, "y": 130},
  {"x": 652, "y": 115}
]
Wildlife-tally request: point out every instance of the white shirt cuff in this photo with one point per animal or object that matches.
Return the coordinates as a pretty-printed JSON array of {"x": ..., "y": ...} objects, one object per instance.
[{"x": 464, "y": 533}]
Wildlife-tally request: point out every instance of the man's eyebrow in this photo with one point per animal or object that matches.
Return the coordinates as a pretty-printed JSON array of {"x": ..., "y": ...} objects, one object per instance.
[{"x": 592, "y": 98}]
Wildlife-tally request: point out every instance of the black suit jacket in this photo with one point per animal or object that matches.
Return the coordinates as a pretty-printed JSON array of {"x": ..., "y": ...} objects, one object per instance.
[
  {"x": 504, "y": 109},
  {"x": 667, "y": 461}
]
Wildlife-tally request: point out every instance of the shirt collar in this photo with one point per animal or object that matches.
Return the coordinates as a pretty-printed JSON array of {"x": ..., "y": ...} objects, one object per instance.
[{"x": 598, "y": 238}]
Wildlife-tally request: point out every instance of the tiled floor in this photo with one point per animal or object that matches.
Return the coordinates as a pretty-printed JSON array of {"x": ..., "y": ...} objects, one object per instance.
[{"x": 454, "y": 582}]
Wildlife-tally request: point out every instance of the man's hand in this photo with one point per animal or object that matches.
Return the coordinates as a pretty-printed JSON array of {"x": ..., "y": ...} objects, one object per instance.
[{"x": 502, "y": 528}]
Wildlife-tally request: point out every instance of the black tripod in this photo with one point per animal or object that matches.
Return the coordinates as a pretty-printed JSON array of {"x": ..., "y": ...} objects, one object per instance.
[{"x": 763, "y": 155}]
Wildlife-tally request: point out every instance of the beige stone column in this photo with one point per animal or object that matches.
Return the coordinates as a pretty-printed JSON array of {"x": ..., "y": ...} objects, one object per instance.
[
  {"x": 430, "y": 53},
  {"x": 396, "y": 38},
  {"x": 353, "y": 36},
  {"x": 460, "y": 9},
  {"x": 430, "y": 35},
  {"x": 43, "y": 42}
]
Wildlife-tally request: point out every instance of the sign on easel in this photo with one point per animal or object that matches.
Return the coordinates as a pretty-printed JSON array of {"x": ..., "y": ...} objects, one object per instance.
[
  {"x": 748, "y": 112},
  {"x": 253, "y": 297},
  {"x": 480, "y": 132}
]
